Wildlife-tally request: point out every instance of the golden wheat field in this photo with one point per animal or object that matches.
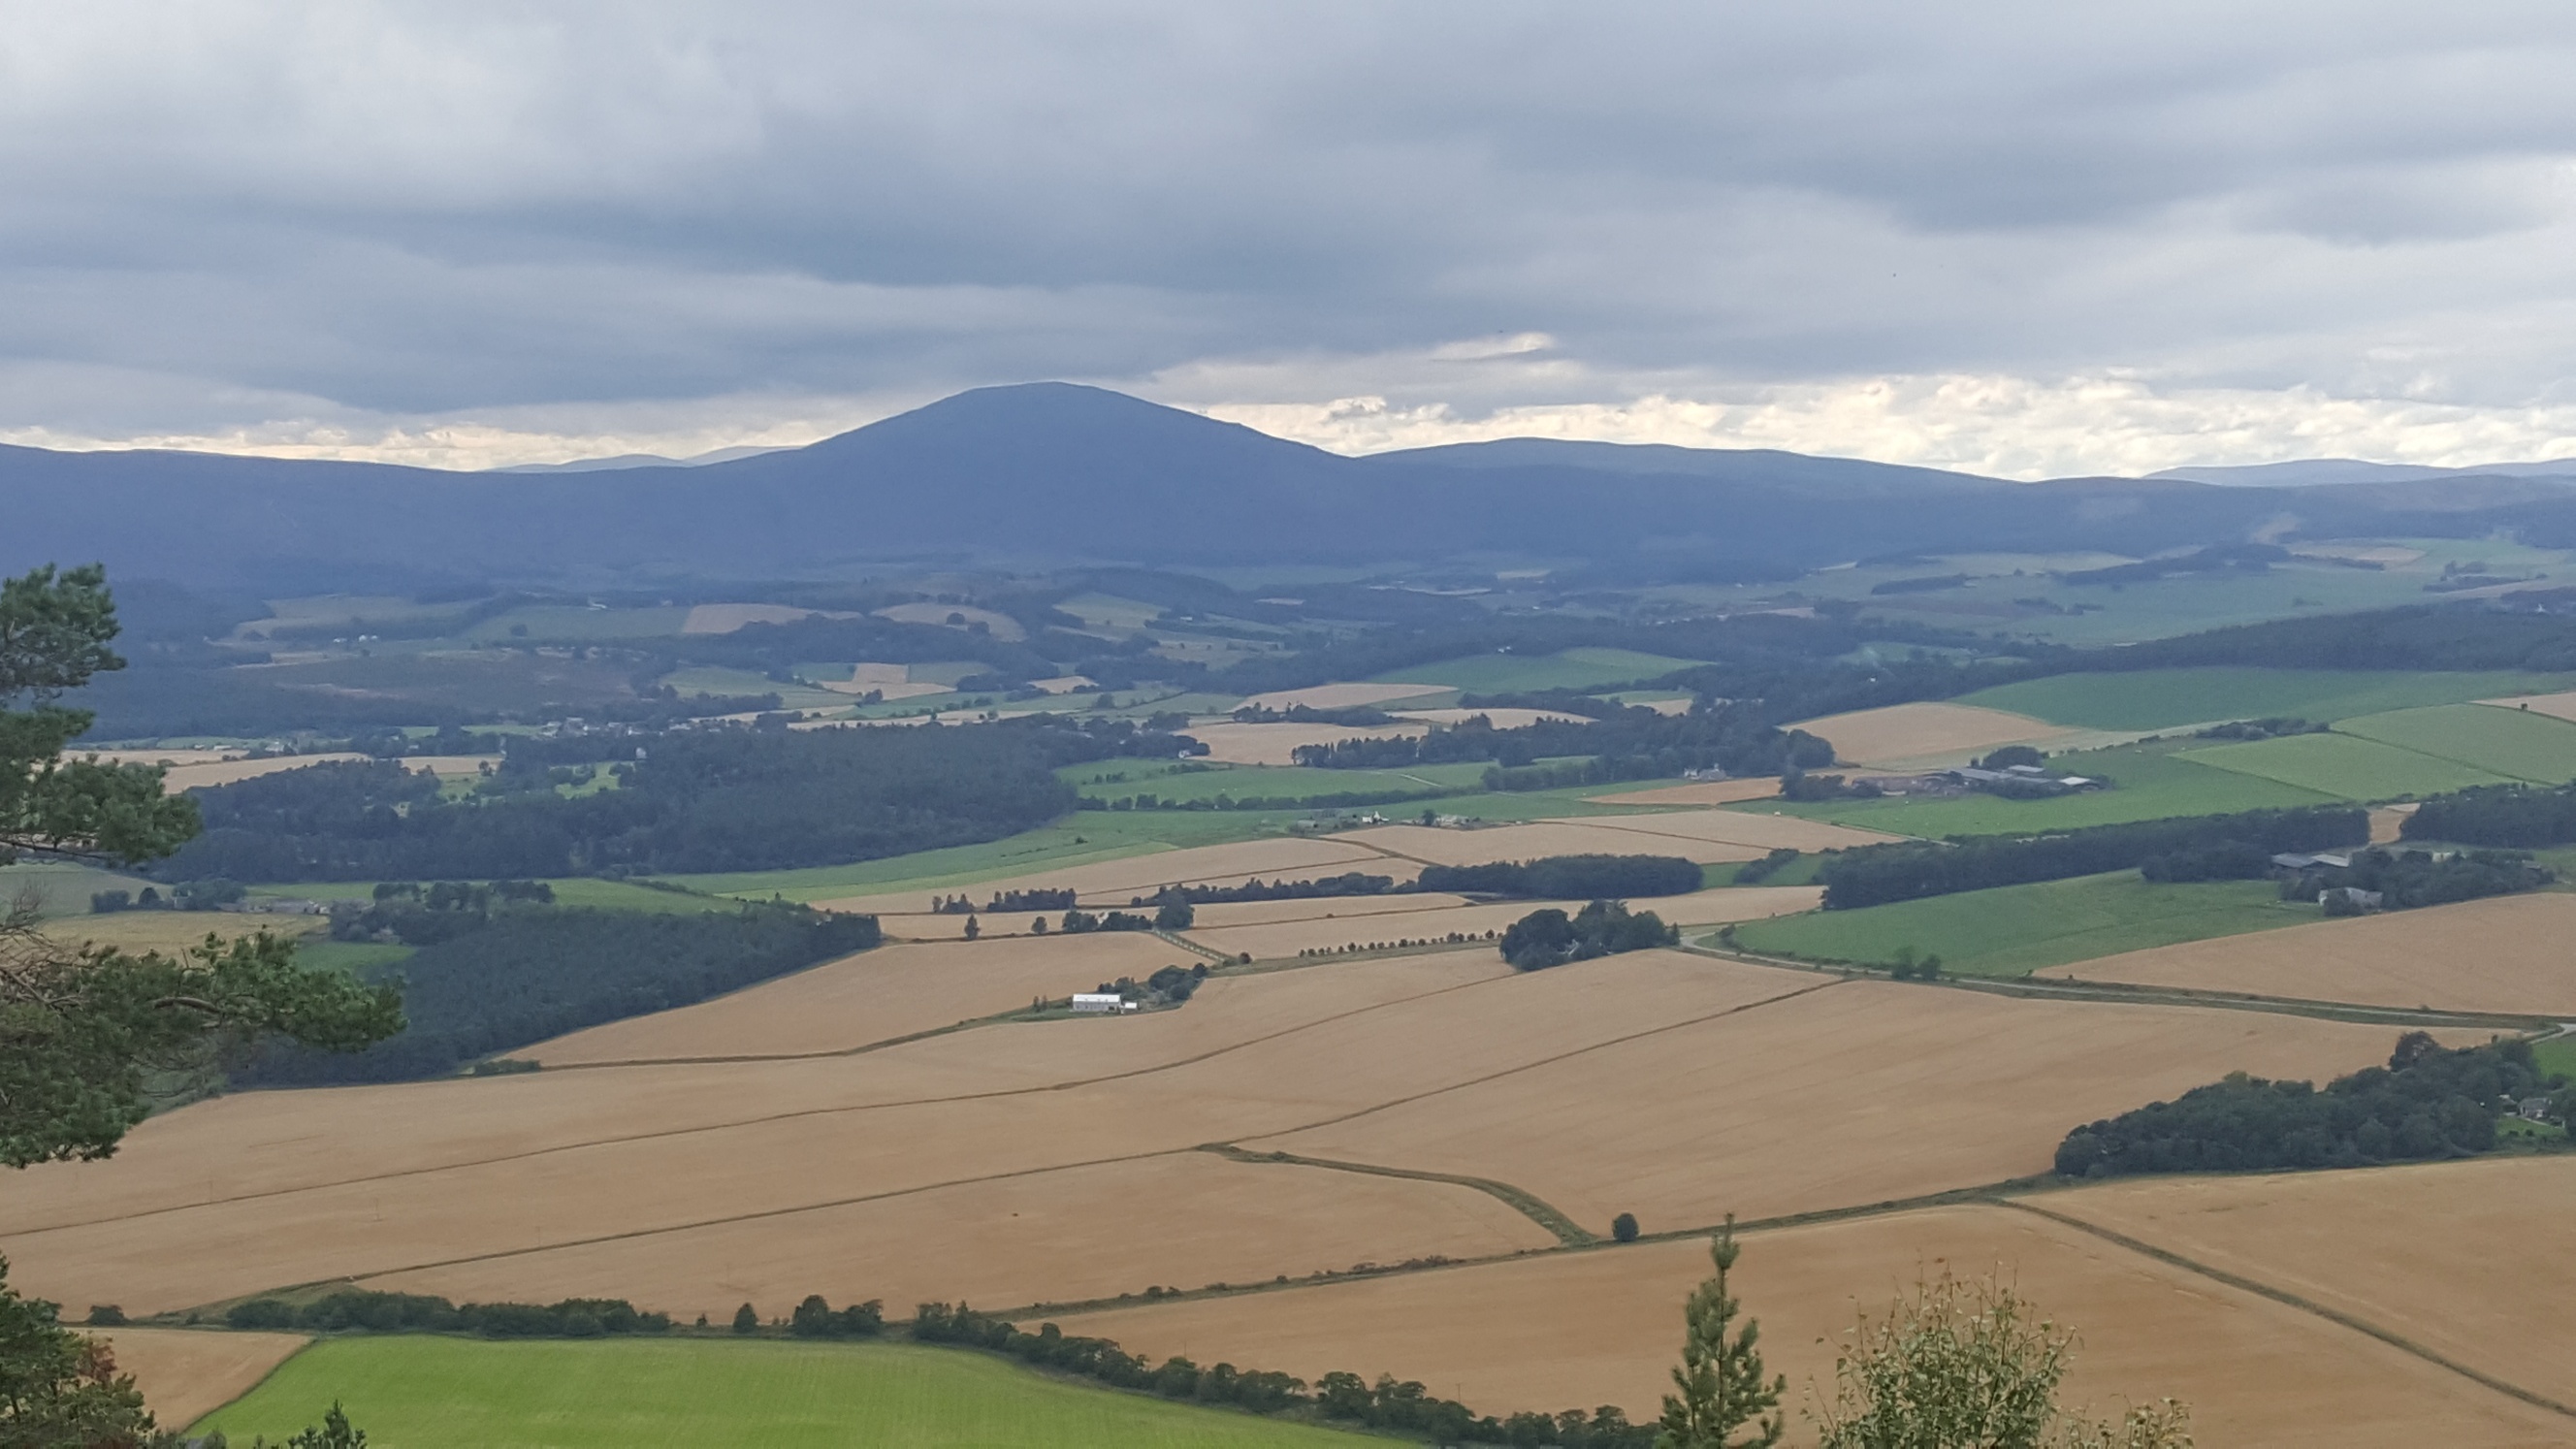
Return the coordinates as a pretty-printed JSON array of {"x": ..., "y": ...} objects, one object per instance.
[
  {"x": 1749, "y": 828},
  {"x": 1115, "y": 882},
  {"x": 875, "y": 996},
  {"x": 1330, "y": 930},
  {"x": 1340, "y": 696},
  {"x": 2463, "y": 1258},
  {"x": 2558, "y": 706},
  {"x": 1276, "y": 744},
  {"x": 1602, "y": 1326},
  {"x": 170, "y": 932},
  {"x": 185, "y": 1374},
  {"x": 1926, "y": 733},
  {"x": 1846, "y": 1092},
  {"x": 1182, "y": 1219},
  {"x": 2506, "y": 954},
  {"x": 1433, "y": 845},
  {"x": 227, "y": 772},
  {"x": 1706, "y": 793}
]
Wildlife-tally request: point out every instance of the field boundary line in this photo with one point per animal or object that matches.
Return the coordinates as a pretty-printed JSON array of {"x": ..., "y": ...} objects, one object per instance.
[
  {"x": 1536, "y": 1063},
  {"x": 2288, "y": 1299},
  {"x": 2115, "y": 993},
  {"x": 757, "y": 1215},
  {"x": 1539, "y": 1210},
  {"x": 763, "y": 1120},
  {"x": 1186, "y": 944}
]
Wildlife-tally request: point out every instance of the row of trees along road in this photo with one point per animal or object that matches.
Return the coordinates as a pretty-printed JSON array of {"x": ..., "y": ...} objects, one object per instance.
[{"x": 87, "y": 1038}]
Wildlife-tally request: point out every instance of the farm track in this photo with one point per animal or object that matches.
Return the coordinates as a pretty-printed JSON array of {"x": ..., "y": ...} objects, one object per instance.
[
  {"x": 2287, "y": 1299},
  {"x": 1520, "y": 1200}
]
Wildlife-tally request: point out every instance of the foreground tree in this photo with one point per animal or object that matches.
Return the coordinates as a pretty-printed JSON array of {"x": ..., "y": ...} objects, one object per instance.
[
  {"x": 1969, "y": 1365},
  {"x": 1720, "y": 1378},
  {"x": 89, "y": 1040}
]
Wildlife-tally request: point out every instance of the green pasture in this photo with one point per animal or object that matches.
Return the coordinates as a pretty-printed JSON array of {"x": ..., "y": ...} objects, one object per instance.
[
  {"x": 1101, "y": 781},
  {"x": 1108, "y": 611},
  {"x": 572, "y": 622},
  {"x": 1513, "y": 673},
  {"x": 2513, "y": 742},
  {"x": 1096, "y": 835},
  {"x": 2015, "y": 930},
  {"x": 426, "y": 1392},
  {"x": 2150, "y": 782},
  {"x": 58, "y": 889},
  {"x": 2558, "y": 1054},
  {"x": 2346, "y": 766},
  {"x": 2154, "y": 699}
]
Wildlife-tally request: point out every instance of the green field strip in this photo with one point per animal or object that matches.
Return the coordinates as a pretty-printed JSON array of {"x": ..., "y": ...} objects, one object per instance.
[
  {"x": 2288, "y": 1299},
  {"x": 2511, "y": 742},
  {"x": 2148, "y": 782},
  {"x": 2015, "y": 930},
  {"x": 1518, "y": 673},
  {"x": 1520, "y": 1200},
  {"x": 2152, "y": 699},
  {"x": 425, "y": 1391},
  {"x": 2345, "y": 766}
]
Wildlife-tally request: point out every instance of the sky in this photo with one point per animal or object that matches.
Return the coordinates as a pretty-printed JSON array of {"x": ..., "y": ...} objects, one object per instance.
[{"x": 2026, "y": 239}]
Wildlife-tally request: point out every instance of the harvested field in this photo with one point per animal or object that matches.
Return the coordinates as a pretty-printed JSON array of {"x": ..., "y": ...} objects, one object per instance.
[
  {"x": 874, "y": 996},
  {"x": 1276, "y": 744},
  {"x": 2502, "y": 954},
  {"x": 226, "y": 772},
  {"x": 1741, "y": 827},
  {"x": 726, "y": 618},
  {"x": 1264, "y": 913},
  {"x": 1928, "y": 733},
  {"x": 1434, "y": 846},
  {"x": 2449, "y": 1255},
  {"x": 1286, "y": 938},
  {"x": 1502, "y": 719},
  {"x": 2388, "y": 821},
  {"x": 2557, "y": 706},
  {"x": 153, "y": 757},
  {"x": 1340, "y": 696},
  {"x": 1709, "y": 793},
  {"x": 1115, "y": 882},
  {"x": 170, "y": 932},
  {"x": 1602, "y": 1327},
  {"x": 1858, "y": 1092},
  {"x": 186, "y": 1374},
  {"x": 310, "y": 1186},
  {"x": 1186, "y": 1219},
  {"x": 1002, "y": 626}
]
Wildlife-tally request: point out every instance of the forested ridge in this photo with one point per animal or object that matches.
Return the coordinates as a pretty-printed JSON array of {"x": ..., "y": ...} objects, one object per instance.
[
  {"x": 718, "y": 800},
  {"x": 1877, "y": 874},
  {"x": 517, "y": 975}
]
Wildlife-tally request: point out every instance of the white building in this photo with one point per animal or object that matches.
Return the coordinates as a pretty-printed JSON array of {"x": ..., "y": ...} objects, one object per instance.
[{"x": 1101, "y": 1001}]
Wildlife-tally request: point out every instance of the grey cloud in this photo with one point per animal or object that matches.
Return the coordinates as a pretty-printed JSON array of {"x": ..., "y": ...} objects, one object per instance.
[{"x": 435, "y": 207}]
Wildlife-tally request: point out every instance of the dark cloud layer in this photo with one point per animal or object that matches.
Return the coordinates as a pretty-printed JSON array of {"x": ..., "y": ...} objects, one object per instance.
[{"x": 569, "y": 221}]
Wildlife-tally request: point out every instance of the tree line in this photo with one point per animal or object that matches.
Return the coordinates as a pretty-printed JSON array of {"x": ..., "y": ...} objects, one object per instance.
[
  {"x": 365, "y": 1310},
  {"x": 1401, "y": 1407},
  {"x": 1878, "y": 874},
  {"x": 2512, "y": 816},
  {"x": 2405, "y": 880},
  {"x": 1549, "y": 937},
  {"x": 717, "y": 800},
  {"x": 2428, "y": 1102},
  {"x": 1636, "y": 743},
  {"x": 523, "y": 975},
  {"x": 1549, "y": 877}
]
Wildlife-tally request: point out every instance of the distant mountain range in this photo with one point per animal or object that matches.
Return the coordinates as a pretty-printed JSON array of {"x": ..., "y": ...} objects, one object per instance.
[
  {"x": 2314, "y": 472},
  {"x": 1052, "y": 473}
]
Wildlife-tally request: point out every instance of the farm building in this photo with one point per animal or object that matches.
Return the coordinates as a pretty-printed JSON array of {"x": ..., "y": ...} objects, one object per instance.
[{"x": 1101, "y": 1001}]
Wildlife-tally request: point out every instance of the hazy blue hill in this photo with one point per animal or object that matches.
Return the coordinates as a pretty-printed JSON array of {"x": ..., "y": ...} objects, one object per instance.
[{"x": 1053, "y": 473}]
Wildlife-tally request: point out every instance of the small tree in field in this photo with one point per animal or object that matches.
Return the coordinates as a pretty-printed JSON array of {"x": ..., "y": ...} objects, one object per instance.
[
  {"x": 1720, "y": 1377},
  {"x": 1969, "y": 1365},
  {"x": 745, "y": 1320}
]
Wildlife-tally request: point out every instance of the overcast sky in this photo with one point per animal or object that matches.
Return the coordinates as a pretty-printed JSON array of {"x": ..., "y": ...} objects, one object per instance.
[{"x": 2023, "y": 238}]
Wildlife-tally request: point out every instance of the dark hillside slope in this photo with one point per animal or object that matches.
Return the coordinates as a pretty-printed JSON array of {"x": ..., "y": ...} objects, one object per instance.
[{"x": 1054, "y": 473}]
